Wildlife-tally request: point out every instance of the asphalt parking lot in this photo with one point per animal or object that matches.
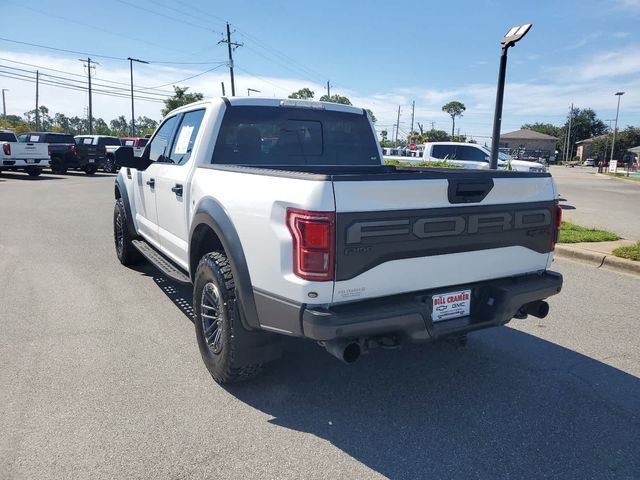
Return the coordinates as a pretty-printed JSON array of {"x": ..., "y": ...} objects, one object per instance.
[{"x": 101, "y": 375}]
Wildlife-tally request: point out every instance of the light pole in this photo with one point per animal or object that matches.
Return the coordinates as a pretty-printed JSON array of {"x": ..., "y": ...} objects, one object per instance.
[
  {"x": 512, "y": 37},
  {"x": 4, "y": 105},
  {"x": 249, "y": 90},
  {"x": 133, "y": 117},
  {"x": 615, "y": 128}
]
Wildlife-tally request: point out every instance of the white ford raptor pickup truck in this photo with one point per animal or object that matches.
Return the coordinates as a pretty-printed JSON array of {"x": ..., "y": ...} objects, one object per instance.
[{"x": 284, "y": 219}]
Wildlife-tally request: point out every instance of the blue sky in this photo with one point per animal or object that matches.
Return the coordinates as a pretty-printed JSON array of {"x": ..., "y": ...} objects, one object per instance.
[{"x": 379, "y": 54}]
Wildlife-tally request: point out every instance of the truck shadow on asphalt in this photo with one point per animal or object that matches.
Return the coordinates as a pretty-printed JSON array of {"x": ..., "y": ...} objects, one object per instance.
[
  {"x": 23, "y": 176},
  {"x": 508, "y": 405}
]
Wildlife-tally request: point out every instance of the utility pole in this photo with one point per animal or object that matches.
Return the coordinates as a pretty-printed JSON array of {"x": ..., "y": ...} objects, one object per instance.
[
  {"x": 88, "y": 65},
  {"x": 398, "y": 123},
  {"x": 615, "y": 128},
  {"x": 133, "y": 116},
  {"x": 231, "y": 46},
  {"x": 4, "y": 105},
  {"x": 37, "y": 113},
  {"x": 328, "y": 90},
  {"x": 222, "y": 83},
  {"x": 413, "y": 111},
  {"x": 567, "y": 147}
]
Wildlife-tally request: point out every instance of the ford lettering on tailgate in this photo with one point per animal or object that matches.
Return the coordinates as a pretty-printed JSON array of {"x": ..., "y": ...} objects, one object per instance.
[{"x": 367, "y": 239}]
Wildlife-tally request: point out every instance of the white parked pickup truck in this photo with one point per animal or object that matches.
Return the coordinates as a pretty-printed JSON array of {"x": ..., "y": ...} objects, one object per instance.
[
  {"x": 25, "y": 157},
  {"x": 282, "y": 216},
  {"x": 471, "y": 155}
]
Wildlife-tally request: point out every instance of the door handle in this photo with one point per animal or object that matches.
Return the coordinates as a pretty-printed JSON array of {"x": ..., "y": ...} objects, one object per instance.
[
  {"x": 177, "y": 190},
  {"x": 151, "y": 182}
]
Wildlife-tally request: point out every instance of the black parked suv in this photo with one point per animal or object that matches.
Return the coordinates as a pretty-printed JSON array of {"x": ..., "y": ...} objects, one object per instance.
[{"x": 98, "y": 150}]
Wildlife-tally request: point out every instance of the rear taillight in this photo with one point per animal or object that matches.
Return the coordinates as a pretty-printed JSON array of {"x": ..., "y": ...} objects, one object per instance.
[
  {"x": 6, "y": 148},
  {"x": 556, "y": 225},
  {"x": 314, "y": 243},
  {"x": 49, "y": 149},
  {"x": 73, "y": 150}
]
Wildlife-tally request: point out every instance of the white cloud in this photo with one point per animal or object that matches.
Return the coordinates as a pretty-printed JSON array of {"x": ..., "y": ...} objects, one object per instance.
[{"x": 589, "y": 84}]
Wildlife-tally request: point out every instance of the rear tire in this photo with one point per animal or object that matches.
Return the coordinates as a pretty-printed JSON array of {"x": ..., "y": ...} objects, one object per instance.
[
  {"x": 90, "y": 169},
  {"x": 33, "y": 171},
  {"x": 110, "y": 165},
  {"x": 219, "y": 330},
  {"x": 56, "y": 166},
  {"x": 125, "y": 251}
]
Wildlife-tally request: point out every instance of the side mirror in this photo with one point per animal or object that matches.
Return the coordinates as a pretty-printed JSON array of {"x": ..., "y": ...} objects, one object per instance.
[{"x": 124, "y": 158}]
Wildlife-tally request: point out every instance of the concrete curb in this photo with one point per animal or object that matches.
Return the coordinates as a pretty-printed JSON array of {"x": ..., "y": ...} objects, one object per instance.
[{"x": 598, "y": 260}]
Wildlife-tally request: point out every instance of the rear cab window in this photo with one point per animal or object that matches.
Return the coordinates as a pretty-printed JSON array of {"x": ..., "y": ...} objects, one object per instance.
[
  {"x": 443, "y": 152},
  {"x": 260, "y": 135},
  {"x": 108, "y": 141},
  {"x": 7, "y": 137},
  {"x": 52, "y": 138}
]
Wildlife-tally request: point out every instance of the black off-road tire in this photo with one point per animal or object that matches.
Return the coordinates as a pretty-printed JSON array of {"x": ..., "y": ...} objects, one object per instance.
[
  {"x": 214, "y": 268},
  {"x": 110, "y": 165},
  {"x": 125, "y": 251},
  {"x": 56, "y": 166},
  {"x": 33, "y": 171},
  {"x": 90, "y": 169}
]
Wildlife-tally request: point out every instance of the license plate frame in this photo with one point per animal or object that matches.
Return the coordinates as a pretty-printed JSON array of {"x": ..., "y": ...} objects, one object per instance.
[{"x": 450, "y": 305}]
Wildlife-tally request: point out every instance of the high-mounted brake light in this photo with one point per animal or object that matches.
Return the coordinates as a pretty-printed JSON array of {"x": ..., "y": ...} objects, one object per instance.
[
  {"x": 314, "y": 244},
  {"x": 302, "y": 104},
  {"x": 556, "y": 226},
  {"x": 6, "y": 148}
]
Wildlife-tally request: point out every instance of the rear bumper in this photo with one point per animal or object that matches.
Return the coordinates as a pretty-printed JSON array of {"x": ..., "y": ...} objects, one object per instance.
[
  {"x": 23, "y": 163},
  {"x": 493, "y": 303}
]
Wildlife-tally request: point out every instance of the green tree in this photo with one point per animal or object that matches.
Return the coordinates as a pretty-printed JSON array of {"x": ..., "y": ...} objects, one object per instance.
[
  {"x": 625, "y": 139},
  {"x": 303, "y": 94},
  {"x": 180, "y": 98},
  {"x": 120, "y": 126},
  {"x": 434, "y": 135},
  {"x": 335, "y": 99},
  {"x": 100, "y": 127},
  {"x": 454, "y": 109},
  {"x": 15, "y": 123},
  {"x": 371, "y": 115},
  {"x": 584, "y": 124},
  {"x": 546, "y": 128},
  {"x": 145, "y": 125},
  {"x": 384, "y": 134},
  {"x": 78, "y": 125}
]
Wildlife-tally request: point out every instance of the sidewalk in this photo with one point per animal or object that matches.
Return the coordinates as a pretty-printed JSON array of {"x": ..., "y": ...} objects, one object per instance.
[{"x": 599, "y": 255}]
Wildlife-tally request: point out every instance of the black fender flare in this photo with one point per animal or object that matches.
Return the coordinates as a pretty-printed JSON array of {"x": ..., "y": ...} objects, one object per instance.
[
  {"x": 120, "y": 186},
  {"x": 212, "y": 214}
]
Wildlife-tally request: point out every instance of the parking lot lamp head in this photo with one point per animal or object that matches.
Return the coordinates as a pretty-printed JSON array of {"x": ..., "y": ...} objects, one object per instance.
[{"x": 513, "y": 36}]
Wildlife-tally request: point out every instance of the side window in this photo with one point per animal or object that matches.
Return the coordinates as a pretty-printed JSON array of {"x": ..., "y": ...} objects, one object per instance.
[
  {"x": 186, "y": 136},
  {"x": 443, "y": 151},
  {"x": 472, "y": 154},
  {"x": 159, "y": 148}
]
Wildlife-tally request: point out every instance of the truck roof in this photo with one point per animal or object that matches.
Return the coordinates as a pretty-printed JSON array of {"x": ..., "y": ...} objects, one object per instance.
[{"x": 272, "y": 102}]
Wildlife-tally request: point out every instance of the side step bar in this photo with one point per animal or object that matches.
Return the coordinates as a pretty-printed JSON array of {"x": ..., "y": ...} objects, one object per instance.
[{"x": 168, "y": 268}]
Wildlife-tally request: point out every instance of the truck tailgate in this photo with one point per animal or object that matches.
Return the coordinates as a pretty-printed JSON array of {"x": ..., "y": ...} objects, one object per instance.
[
  {"x": 417, "y": 234},
  {"x": 28, "y": 151}
]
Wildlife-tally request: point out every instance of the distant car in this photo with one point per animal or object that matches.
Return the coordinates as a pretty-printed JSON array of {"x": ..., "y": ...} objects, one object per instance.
[
  {"x": 590, "y": 162},
  {"x": 138, "y": 144},
  {"x": 98, "y": 150}
]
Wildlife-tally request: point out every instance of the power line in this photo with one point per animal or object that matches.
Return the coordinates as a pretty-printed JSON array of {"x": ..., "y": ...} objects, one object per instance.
[
  {"x": 57, "y": 77},
  {"x": 173, "y": 19},
  {"x": 261, "y": 79},
  {"x": 188, "y": 78},
  {"x": 231, "y": 46},
  {"x": 27, "y": 78},
  {"x": 110, "y": 57}
]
